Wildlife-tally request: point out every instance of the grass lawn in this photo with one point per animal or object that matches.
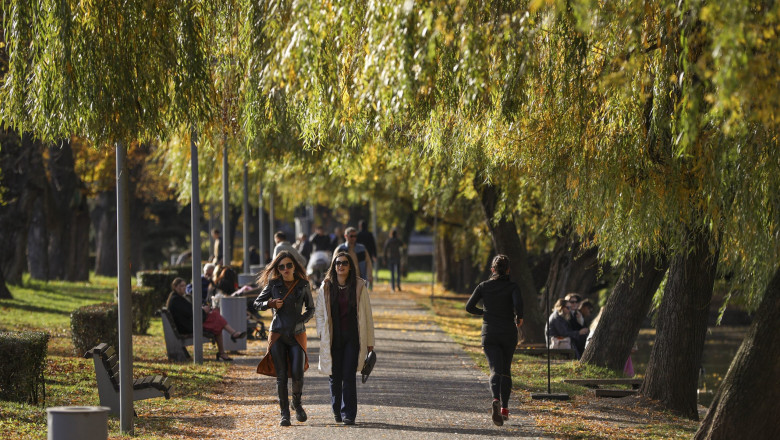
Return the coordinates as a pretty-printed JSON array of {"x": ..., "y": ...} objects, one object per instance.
[
  {"x": 584, "y": 416},
  {"x": 70, "y": 379},
  {"x": 411, "y": 277}
]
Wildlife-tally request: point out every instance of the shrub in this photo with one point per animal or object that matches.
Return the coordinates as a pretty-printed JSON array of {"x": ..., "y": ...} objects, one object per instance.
[
  {"x": 22, "y": 363},
  {"x": 144, "y": 301},
  {"x": 90, "y": 325},
  {"x": 160, "y": 282},
  {"x": 182, "y": 272}
]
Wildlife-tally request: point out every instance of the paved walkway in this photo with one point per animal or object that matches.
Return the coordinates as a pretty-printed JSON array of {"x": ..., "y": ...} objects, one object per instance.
[{"x": 423, "y": 386}]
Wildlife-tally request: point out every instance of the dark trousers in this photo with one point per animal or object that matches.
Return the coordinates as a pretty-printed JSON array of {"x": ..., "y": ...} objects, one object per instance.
[
  {"x": 286, "y": 347},
  {"x": 499, "y": 350},
  {"x": 343, "y": 392},
  {"x": 395, "y": 273}
]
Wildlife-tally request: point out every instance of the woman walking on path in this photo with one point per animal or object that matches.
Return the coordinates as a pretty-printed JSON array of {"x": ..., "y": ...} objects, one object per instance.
[
  {"x": 213, "y": 322},
  {"x": 502, "y": 315},
  {"x": 346, "y": 328},
  {"x": 287, "y": 292}
]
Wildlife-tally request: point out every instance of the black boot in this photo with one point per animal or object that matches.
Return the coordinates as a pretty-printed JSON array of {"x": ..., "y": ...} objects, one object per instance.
[
  {"x": 300, "y": 414},
  {"x": 284, "y": 408}
]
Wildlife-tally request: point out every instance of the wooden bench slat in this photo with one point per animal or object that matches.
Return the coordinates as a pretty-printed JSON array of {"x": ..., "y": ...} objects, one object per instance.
[
  {"x": 540, "y": 351},
  {"x": 596, "y": 383},
  {"x": 602, "y": 392}
]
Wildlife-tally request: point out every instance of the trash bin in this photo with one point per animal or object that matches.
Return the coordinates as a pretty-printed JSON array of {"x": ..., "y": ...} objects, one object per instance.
[{"x": 78, "y": 422}]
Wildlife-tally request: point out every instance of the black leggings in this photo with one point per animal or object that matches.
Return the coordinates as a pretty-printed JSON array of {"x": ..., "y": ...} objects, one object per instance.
[
  {"x": 499, "y": 349},
  {"x": 283, "y": 348}
]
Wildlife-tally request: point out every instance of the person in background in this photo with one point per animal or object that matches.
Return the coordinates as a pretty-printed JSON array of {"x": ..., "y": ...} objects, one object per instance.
[
  {"x": 336, "y": 238},
  {"x": 254, "y": 256},
  {"x": 345, "y": 325},
  {"x": 303, "y": 246},
  {"x": 586, "y": 309},
  {"x": 392, "y": 254},
  {"x": 502, "y": 315},
  {"x": 559, "y": 332},
  {"x": 213, "y": 322},
  {"x": 320, "y": 241},
  {"x": 217, "y": 255},
  {"x": 358, "y": 253},
  {"x": 207, "y": 282},
  {"x": 366, "y": 238},
  {"x": 282, "y": 245},
  {"x": 576, "y": 321},
  {"x": 287, "y": 292},
  {"x": 225, "y": 284}
]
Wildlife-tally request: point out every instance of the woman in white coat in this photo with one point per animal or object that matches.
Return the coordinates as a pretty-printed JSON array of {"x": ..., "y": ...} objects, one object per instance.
[{"x": 346, "y": 329}]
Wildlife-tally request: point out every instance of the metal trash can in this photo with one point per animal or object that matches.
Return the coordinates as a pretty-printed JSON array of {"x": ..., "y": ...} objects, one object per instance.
[{"x": 78, "y": 422}]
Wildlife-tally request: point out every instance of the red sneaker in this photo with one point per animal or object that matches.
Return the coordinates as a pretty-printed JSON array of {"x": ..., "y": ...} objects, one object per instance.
[{"x": 504, "y": 413}]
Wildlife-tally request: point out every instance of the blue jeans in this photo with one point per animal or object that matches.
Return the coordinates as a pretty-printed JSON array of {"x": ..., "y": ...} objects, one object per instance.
[
  {"x": 395, "y": 273},
  {"x": 343, "y": 390}
]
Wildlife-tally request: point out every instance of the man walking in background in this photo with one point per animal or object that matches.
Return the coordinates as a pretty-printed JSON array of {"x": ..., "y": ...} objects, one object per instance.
[
  {"x": 366, "y": 238},
  {"x": 358, "y": 253}
]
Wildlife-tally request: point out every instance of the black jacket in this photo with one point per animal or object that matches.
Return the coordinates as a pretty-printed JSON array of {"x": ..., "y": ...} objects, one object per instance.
[
  {"x": 289, "y": 319},
  {"x": 502, "y": 305},
  {"x": 181, "y": 310}
]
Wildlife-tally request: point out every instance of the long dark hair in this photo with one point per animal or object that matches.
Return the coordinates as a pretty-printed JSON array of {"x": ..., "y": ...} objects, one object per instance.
[
  {"x": 272, "y": 272},
  {"x": 174, "y": 283},
  {"x": 500, "y": 266},
  {"x": 331, "y": 278}
]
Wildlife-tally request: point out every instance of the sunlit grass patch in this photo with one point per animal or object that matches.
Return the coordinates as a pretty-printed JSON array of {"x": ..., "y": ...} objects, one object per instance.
[{"x": 70, "y": 378}]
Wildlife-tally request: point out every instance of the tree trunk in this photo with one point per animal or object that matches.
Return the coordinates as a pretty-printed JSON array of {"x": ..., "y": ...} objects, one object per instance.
[
  {"x": 38, "y": 242},
  {"x": 507, "y": 241},
  {"x": 68, "y": 252},
  {"x": 105, "y": 233},
  {"x": 17, "y": 161},
  {"x": 77, "y": 261},
  {"x": 4, "y": 292},
  {"x": 673, "y": 369},
  {"x": 626, "y": 308},
  {"x": 746, "y": 404},
  {"x": 572, "y": 269}
]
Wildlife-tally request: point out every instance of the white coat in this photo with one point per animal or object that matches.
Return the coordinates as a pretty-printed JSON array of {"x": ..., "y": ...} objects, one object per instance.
[{"x": 322, "y": 314}]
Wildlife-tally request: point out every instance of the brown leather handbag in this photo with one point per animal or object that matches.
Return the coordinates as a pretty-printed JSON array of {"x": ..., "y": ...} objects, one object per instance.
[{"x": 266, "y": 365}]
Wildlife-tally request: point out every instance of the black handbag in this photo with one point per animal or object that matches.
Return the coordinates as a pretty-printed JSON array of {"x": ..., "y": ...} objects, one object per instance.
[{"x": 368, "y": 365}]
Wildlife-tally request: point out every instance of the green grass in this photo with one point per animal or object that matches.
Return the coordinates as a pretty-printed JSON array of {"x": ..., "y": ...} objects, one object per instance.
[
  {"x": 70, "y": 379},
  {"x": 411, "y": 277}
]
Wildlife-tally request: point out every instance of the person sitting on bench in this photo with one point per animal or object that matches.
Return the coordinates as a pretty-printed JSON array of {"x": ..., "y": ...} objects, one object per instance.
[{"x": 213, "y": 322}]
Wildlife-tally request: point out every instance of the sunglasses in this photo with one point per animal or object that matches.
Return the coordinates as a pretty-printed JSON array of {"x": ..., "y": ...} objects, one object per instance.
[
  {"x": 352, "y": 236},
  {"x": 342, "y": 263},
  {"x": 286, "y": 266}
]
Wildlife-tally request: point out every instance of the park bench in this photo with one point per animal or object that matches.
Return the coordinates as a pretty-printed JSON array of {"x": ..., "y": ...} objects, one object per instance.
[
  {"x": 107, "y": 372},
  {"x": 541, "y": 350},
  {"x": 596, "y": 383},
  {"x": 176, "y": 343}
]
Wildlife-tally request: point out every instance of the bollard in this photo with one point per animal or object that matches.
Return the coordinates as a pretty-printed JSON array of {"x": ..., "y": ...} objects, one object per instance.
[{"x": 78, "y": 422}]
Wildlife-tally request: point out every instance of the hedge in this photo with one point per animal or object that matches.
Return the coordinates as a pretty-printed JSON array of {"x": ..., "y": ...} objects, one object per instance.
[
  {"x": 22, "y": 363},
  {"x": 144, "y": 304},
  {"x": 93, "y": 324},
  {"x": 182, "y": 271},
  {"x": 160, "y": 282}
]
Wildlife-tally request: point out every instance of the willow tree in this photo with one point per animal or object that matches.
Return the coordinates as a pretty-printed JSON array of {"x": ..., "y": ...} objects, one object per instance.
[
  {"x": 654, "y": 157},
  {"x": 111, "y": 71}
]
